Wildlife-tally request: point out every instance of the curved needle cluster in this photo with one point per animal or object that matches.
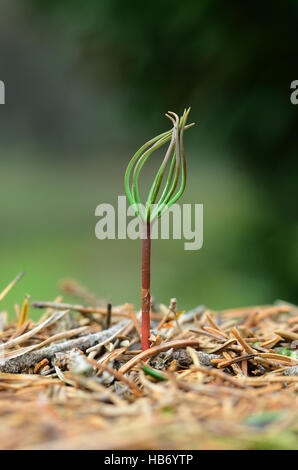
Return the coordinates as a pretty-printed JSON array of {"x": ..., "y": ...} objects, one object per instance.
[{"x": 174, "y": 159}]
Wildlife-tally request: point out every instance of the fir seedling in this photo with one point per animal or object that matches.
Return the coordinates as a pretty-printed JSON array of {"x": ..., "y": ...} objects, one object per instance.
[{"x": 158, "y": 201}]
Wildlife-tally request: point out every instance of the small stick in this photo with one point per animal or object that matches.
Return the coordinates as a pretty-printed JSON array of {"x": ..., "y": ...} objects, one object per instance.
[
  {"x": 22, "y": 330},
  {"x": 173, "y": 309},
  {"x": 11, "y": 285},
  {"x": 50, "y": 310},
  {"x": 74, "y": 288},
  {"x": 29, "y": 359},
  {"x": 222, "y": 347},
  {"x": 135, "y": 322},
  {"x": 108, "y": 317},
  {"x": 193, "y": 356},
  {"x": 250, "y": 320},
  {"x": 214, "y": 324},
  {"x": 271, "y": 342},
  {"x": 272, "y": 311},
  {"x": 40, "y": 364},
  {"x": 279, "y": 358},
  {"x": 206, "y": 333},
  {"x": 24, "y": 313},
  {"x": 157, "y": 349},
  {"x": 235, "y": 366},
  {"x": 107, "y": 340},
  {"x": 242, "y": 342},
  {"x": 215, "y": 332},
  {"x": 76, "y": 308},
  {"x": 219, "y": 374},
  {"x": 91, "y": 384},
  {"x": 117, "y": 375},
  {"x": 163, "y": 320},
  {"x": 63, "y": 335},
  {"x": 134, "y": 352},
  {"x": 109, "y": 356},
  {"x": 234, "y": 360},
  {"x": 20, "y": 339},
  {"x": 244, "y": 367},
  {"x": 288, "y": 335}
]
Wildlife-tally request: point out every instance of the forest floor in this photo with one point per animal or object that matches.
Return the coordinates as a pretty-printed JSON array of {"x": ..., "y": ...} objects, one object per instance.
[{"x": 77, "y": 379}]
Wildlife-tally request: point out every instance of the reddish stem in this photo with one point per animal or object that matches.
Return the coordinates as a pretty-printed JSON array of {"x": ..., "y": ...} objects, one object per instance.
[{"x": 146, "y": 252}]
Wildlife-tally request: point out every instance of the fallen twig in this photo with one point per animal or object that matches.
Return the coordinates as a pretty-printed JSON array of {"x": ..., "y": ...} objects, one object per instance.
[
  {"x": 77, "y": 308},
  {"x": 288, "y": 335},
  {"x": 157, "y": 349},
  {"x": 49, "y": 321},
  {"x": 29, "y": 359},
  {"x": 10, "y": 286}
]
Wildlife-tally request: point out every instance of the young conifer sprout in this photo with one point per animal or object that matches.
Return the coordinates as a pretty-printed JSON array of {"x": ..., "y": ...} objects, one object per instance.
[{"x": 159, "y": 200}]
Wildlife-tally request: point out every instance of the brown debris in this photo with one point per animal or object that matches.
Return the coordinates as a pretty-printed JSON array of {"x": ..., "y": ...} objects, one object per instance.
[{"x": 209, "y": 381}]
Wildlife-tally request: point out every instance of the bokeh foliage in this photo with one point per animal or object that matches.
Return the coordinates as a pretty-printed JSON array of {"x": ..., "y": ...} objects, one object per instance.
[{"x": 233, "y": 62}]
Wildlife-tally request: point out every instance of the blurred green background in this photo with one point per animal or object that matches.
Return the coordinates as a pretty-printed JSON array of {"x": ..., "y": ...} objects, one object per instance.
[{"x": 87, "y": 83}]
